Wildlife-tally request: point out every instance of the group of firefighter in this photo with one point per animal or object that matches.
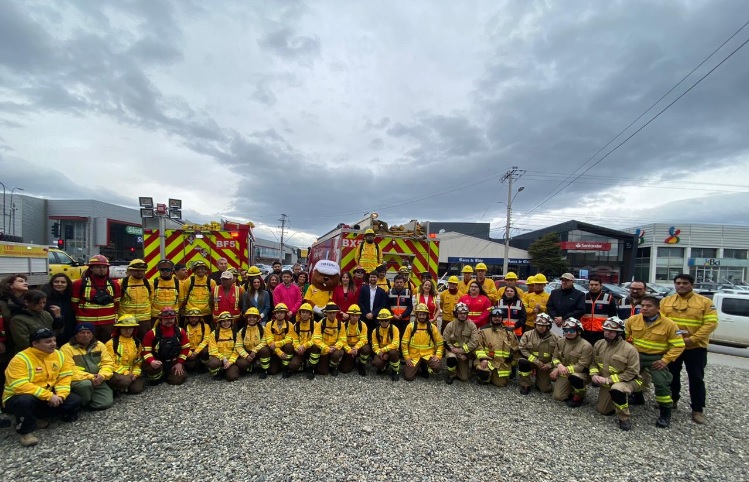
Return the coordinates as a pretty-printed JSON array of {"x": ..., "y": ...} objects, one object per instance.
[{"x": 135, "y": 330}]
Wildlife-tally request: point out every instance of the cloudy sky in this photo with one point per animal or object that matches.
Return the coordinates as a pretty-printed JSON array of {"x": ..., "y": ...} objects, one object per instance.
[{"x": 325, "y": 111}]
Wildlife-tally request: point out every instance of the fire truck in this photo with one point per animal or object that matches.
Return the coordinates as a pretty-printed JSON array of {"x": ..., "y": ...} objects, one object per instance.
[
  {"x": 206, "y": 242},
  {"x": 408, "y": 245}
]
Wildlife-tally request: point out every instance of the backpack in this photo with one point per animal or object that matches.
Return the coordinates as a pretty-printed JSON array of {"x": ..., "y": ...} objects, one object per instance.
[
  {"x": 156, "y": 284},
  {"x": 192, "y": 285},
  {"x": 218, "y": 330},
  {"x": 85, "y": 279},
  {"x": 116, "y": 344},
  {"x": 377, "y": 249},
  {"x": 414, "y": 324},
  {"x": 123, "y": 286},
  {"x": 243, "y": 331},
  {"x": 170, "y": 348},
  {"x": 390, "y": 334},
  {"x": 322, "y": 327}
]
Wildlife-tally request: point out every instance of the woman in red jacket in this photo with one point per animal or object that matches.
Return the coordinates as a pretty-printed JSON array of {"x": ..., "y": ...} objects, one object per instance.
[
  {"x": 478, "y": 304},
  {"x": 345, "y": 295}
]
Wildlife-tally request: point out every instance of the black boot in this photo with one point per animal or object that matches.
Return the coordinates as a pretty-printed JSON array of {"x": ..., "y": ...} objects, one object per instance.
[
  {"x": 637, "y": 398},
  {"x": 664, "y": 419},
  {"x": 311, "y": 372},
  {"x": 263, "y": 374},
  {"x": 334, "y": 371},
  {"x": 625, "y": 425},
  {"x": 394, "y": 376},
  {"x": 424, "y": 371},
  {"x": 449, "y": 380},
  {"x": 286, "y": 373},
  {"x": 525, "y": 390},
  {"x": 362, "y": 369}
]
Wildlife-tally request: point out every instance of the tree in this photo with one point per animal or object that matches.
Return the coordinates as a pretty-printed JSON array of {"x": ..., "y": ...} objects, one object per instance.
[{"x": 546, "y": 255}]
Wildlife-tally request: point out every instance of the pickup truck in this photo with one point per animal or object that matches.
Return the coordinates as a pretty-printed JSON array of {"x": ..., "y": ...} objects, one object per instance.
[
  {"x": 28, "y": 259},
  {"x": 62, "y": 262}
]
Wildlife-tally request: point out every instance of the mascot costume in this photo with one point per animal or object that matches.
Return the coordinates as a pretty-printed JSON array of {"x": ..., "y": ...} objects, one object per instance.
[{"x": 325, "y": 277}]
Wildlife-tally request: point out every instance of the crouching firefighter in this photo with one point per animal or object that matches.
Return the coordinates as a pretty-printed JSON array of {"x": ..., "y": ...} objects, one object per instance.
[
  {"x": 536, "y": 351},
  {"x": 356, "y": 350},
  {"x": 250, "y": 346},
  {"x": 572, "y": 358},
  {"x": 385, "y": 345},
  {"x": 461, "y": 339},
  {"x": 302, "y": 339},
  {"x": 165, "y": 349},
  {"x": 221, "y": 356},
  {"x": 615, "y": 368},
  {"x": 197, "y": 334},
  {"x": 329, "y": 339},
  {"x": 278, "y": 338},
  {"x": 497, "y": 344},
  {"x": 422, "y": 346}
]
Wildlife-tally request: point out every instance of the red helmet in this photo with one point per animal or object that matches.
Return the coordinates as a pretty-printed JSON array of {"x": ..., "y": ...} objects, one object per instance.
[{"x": 98, "y": 260}]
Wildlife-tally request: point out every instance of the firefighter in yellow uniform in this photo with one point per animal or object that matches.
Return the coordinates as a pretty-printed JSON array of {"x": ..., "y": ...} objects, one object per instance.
[
  {"x": 511, "y": 280},
  {"x": 465, "y": 282},
  {"x": 536, "y": 351},
  {"x": 197, "y": 334},
  {"x": 448, "y": 299},
  {"x": 93, "y": 367},
  {"x": 368, "y": 253},
  {"x": 356, "y": 351},
  {"x": 696, "y": 317},
  {"x": 278, "y": 339},
  {"x": 488, "y": 284},
  {"x": 529, "y": 283},
  {"x": 422, "y": 346},
  {"x": 386, "y": 345},
  {"x": 658, "y": 342},
  {"x": 572, "y": 357},
  {"x": 126, "y": 350},
  {"x": 166, "y": 289},
  {"x": 615, "y": 368},
  {"x": 329, "y": 339},
  {"x": 461, "y": 339},
  {"x": 250, "y": 346},
  {"x": 221, "y": 356},
  {"x": 495, "y": 350},
  {"x": 136, "y": 296},
  {"x": 196, "y": 291},
  {"x": 535, "y": 301},
  {"x": 302, "y": 338}
]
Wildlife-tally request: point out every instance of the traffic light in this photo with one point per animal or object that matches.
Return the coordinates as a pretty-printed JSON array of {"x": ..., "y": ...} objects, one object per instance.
[
  {"x": 61, "y": 244},
  {"x": 132, "y": 250},
  {"x": 69, "y": 231},
  {"x": 55, "y": 230}
]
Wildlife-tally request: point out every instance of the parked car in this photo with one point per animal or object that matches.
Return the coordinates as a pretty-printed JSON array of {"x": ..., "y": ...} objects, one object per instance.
[
  {"x": 616, "y": 291},
  {"x": 733, "y": 318},
  {"x": 654, "y": 289},
  {"x": 552, "y": 285}
]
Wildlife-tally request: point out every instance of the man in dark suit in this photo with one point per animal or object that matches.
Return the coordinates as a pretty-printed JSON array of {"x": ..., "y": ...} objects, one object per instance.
[{"x": 372, "y": 299}]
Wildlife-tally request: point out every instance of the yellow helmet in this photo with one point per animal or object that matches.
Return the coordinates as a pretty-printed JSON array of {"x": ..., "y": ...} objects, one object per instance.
[
  {"x": 354, "y": 310},
  {"x": 531, "y": 280},
  {"x": 281, "y": 307},
  {"x": 481, "y": 266},
  {"x": 193, "y": 312},
  {"x": 384, "y": 314},
  {"x": 252, "y": 311},
  {"x": 368, "y": 231},
  {"x": 331, "y": 308},
  {"x": 138, "y": 265},
  {"x": 453, "y": 279},
  {"x": 254, "y": 271},
  {"x": 541, "y": 279},
  {"x": 127, "y": 321},
  {"x": 511, "y": 275},
  {"x": 305, "y": 307},
  {"x": 225, "y": 315},
  {"x": 467, "y": 269},
  {"x": 421, "y": 308}
]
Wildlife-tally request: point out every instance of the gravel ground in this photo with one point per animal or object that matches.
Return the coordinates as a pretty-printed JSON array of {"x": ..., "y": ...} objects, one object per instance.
[{"x": 353, "y": 428}]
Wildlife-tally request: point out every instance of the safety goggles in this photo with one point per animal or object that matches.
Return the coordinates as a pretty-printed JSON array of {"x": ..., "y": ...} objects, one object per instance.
[{"x": 569, "y": 331}]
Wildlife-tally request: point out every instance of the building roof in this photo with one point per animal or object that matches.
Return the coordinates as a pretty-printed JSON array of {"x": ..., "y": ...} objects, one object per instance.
[{"x": 574, "y": 224}]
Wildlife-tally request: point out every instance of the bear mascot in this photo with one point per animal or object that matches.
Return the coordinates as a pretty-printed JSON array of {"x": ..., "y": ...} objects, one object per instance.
[{"x": 325, "y": 277}]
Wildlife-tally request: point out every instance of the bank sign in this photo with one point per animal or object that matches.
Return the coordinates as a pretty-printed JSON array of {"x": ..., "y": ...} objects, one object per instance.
[
  {"x": 585, "y": 246},
  {"x": 495, "y": 261}
]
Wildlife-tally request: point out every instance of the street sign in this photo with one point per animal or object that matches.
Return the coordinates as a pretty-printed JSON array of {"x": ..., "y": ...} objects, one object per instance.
[{"x": 134, "y": 230}]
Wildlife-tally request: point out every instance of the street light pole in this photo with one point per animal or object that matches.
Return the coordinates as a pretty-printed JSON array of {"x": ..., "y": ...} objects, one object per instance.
[
  {"x": 13, "y": 210},
  {"x": 509, "y": 176},
  {"x": 3, "y": 206}
]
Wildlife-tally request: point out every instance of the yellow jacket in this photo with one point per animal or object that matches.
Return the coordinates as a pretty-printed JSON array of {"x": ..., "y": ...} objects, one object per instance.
[
  {"x": 136, "y": 299},
  {"x": 356, "y": 336},
  {"x": 166, "y": 292},
  {"x": 417, "y": 344},
  {"x": 463, "y": 287},
  {"x": 333, "y": 335},
  {"x": 530, "y": 300},
  {"x": 199, "y": 297},
  {"x": 302, "y": 334},
  {"x": 89, "y": 361},
  {"x": 661, "y": 337},
  {"x": 252, "y": 341},
  {"x": 278, "y": 335},
  {"x": 221, "y": 343},
  {"x": 369, "y": 256},
  {"x": 497, "y": 345},
  {"x": 318, "y": 297},
  {"x": 694, "y": 314},
  {"x": 33, "y": 372},
  {"x": 491, "y": 290},
  {"x": 448, "y": 302},
  {"x": 127, "y": 360},
  {"x": 197, "y": 336},
  {"x": 383, "y": 342}
]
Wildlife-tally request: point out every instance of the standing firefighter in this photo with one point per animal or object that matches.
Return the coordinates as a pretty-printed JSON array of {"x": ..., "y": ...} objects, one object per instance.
[
  {"x": 615, "y": 368},
  {"x": 495, "y": 351},
  {"x": 196, "y": 291},
  {"x": 368, "y": 254},
  {"x": 461, "y": 339},
  {"x": 658, "y": 342},
  {"x": 572, "y": 357},
  {"x": 96, "y": 298},
  {"x": 165, "y": 289},
  {"x": 422, "y": 346},
  {"x": 385, "y": 345},
  {"x": 136, "y": 296},
  {"x": 536, "y": 350}
]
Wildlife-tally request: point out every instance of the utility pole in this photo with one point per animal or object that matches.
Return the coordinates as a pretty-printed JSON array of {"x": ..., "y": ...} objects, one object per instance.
[
  {"x": 283, "y": 226},
  {"x": 511, "y": 175}
]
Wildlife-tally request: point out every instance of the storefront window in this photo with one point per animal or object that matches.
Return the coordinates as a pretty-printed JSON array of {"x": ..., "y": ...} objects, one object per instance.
[
  {"x": 735, "y": 253},
  {"x": 704, "y": 253},
  {"x": 668, "y": 252}
]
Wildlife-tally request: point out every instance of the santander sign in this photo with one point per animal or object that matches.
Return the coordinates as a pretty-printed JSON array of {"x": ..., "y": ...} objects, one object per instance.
[{"x": 585, "y": 245}]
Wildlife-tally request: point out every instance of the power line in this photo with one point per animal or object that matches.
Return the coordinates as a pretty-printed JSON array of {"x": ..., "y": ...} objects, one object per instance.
[{"x": 558, "y": 190}]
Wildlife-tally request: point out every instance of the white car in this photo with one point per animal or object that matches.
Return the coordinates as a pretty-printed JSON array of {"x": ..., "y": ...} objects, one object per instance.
[{"x": 733, "y": 318}]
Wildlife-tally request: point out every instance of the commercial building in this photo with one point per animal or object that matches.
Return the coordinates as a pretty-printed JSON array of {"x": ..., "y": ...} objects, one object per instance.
[
  {"x": 458, "y": 250},
  {"x": 709, "y": 252},
  {"x": 590, "y": 250}
]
